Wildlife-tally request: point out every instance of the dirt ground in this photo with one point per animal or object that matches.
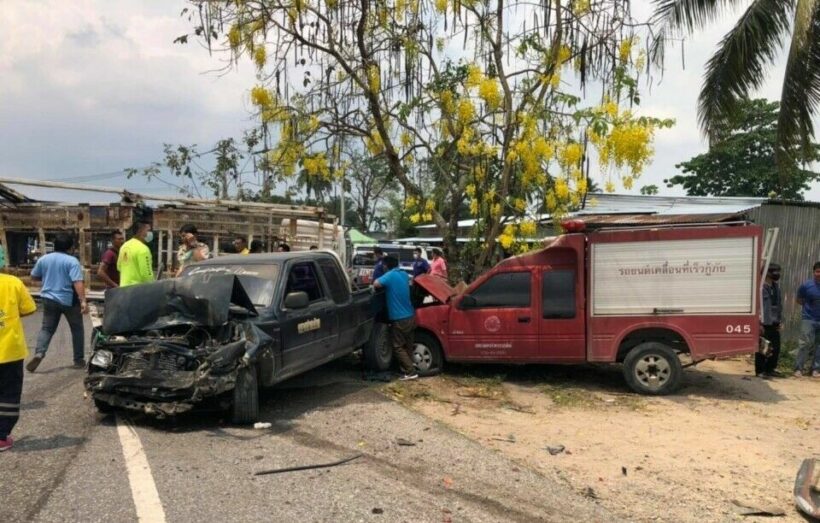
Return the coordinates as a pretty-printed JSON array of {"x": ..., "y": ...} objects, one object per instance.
[{"x": 725, "y": 441}]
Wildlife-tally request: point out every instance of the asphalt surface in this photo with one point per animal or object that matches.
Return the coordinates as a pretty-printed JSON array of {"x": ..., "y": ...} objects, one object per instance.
[{"x": 68, "y": 462}]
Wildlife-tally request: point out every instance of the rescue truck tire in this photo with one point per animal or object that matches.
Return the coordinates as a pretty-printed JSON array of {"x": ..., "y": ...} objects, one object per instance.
[
  {"x": 653, "y": 368},
  {"x": 427, "y": 355},
  {"x": 377, "y": 352},
  {"x": 245, "y": 405}
]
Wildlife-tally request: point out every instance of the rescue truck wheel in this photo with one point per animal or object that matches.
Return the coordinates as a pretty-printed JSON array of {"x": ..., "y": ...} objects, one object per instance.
[
  {"x": 427, "y": 356},
  {"x": 653, "y": 368},
  {"x": 245, "y": 405},
  {"x": 377, "y": 352}
]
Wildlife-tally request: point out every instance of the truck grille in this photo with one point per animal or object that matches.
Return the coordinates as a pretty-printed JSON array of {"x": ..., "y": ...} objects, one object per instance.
[{"x": 155, "y": 361}]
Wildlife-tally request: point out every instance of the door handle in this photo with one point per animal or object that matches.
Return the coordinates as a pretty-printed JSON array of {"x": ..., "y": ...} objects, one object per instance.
[{"x": 523, "y": 319}]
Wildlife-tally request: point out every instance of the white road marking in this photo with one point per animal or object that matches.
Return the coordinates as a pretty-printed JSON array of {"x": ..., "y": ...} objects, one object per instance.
[{"x": 143, "y": 488}]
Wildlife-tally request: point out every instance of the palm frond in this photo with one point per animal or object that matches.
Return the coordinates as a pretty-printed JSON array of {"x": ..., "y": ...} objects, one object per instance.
[
  {"x": 681, "y": 16},
  {"x": 738, "y": 66},
  {"x": 801, "y": 86}
]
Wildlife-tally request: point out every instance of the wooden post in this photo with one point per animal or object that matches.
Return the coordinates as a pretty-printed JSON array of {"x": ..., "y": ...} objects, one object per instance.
[
  {"x": 41, "y": 238},
  {"x": 216, "y": 245},
  {"x": 169, "y": 265}
]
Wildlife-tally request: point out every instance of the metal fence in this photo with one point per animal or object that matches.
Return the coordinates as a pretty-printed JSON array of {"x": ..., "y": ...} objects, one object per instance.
[{"x": 797, "y": 249}]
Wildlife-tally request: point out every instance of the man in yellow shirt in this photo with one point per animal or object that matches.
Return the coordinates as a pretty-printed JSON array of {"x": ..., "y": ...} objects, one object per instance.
[
  {"x": 15, "y": 302},
  {"x": 134, "y": 261},
  {"x": 240, "y": 245}
]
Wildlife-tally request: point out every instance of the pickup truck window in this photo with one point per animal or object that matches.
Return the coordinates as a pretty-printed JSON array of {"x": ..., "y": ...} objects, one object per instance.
[
  {"x": 506, "y": 289},
  {"x": 558, "y": 293},
  {"x": 259, "y": 280},
  {"x": 303, "y": 277},
  {"x": 336, "y": 281}
]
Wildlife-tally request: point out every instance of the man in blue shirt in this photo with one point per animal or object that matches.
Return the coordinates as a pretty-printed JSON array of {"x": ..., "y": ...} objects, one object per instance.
[
  {"x": 378, "y": 268},
  {"x": 63, "y": 294},
  {"x": 808, "y": 295},
  {"x": 400, "y": 312},
  {"x": 420, "y": 265}
]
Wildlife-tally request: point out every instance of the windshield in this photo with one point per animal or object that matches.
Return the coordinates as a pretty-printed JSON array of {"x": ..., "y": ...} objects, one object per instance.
[
  {"x": 257, "y": 279},
  {"x": 368, "y": 259}
]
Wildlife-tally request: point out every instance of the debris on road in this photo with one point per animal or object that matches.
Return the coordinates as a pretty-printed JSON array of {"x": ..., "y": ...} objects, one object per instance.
[
  {"x": 807, "y": 488},
  {"x": 401, "y": 442},
  {"x": 377, "y": 510},
  {"x": 748, "y": 510},
  {"x": 554, "y": 451},
  {"x": 509, "y": 439},
  {"x": 623, "y": 470},
  {"x": 308, "y": 467},
  {"x": 262, "y": 425},
  {"x": 590, "y": 493}
]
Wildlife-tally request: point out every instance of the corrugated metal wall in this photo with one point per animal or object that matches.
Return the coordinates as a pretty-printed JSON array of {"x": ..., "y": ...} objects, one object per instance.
[{"x": 798, "y": 247}]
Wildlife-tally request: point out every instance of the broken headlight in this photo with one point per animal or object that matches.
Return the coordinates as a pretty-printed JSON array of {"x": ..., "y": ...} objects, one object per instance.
[{"x": 102, "y": 359}]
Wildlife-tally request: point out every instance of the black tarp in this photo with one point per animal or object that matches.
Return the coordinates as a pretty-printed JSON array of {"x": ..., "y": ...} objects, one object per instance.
[{"x": 202, "y": 300}]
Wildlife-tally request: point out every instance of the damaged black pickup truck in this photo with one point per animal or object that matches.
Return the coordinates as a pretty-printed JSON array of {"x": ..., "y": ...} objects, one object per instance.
[{"x": 224, "y": 328}]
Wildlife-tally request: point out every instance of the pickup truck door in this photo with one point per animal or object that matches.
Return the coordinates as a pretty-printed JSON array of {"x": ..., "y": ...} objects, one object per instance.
[
  {"x": 501, "y": 326},
  {"x": 308, "y": 335},
  {"x": 561, "y": 316},
  {"x": 347, "y": 316}
]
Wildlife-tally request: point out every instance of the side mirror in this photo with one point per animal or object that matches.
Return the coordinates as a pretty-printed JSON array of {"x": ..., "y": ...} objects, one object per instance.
[
  {"x": 297, "y": 300},
  {"x": 468, "y": 302}
]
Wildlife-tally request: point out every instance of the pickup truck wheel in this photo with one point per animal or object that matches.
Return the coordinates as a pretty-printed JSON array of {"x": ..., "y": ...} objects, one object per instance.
[
  {"x": 377, "y": 352},
  {"x": 427, "y": 355},
  {"x": 245, "y": 406},
  {"x": 653, "y": 368},
  {"x": 103, "y": 407}
]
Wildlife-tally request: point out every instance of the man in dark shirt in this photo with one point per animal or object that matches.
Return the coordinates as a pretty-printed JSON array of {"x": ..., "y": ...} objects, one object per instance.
[
  {"x": 378, "y": 267},
  {"x": 772, "y": 316},
  {"x": 107, "y": 270},
  {"x": 420, "y": 265}
]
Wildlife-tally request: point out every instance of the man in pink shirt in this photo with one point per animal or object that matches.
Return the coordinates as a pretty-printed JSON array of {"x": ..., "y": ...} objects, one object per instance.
[{"x": 438, "y": 267}]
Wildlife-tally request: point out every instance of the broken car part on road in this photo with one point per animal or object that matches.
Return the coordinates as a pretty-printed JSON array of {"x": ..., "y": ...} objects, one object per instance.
[{"x": 807, "y": 487}]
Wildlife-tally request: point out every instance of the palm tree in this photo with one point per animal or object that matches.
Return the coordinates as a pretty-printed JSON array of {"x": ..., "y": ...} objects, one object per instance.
[{"x": 743, "y": 56}]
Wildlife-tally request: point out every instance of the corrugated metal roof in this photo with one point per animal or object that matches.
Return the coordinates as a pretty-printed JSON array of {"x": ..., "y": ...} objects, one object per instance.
[
  {"x": 669, "y": 205},
  {"x": 656, "y": 219}
]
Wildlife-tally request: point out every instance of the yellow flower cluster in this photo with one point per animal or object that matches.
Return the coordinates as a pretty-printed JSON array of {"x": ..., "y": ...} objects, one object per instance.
[
  {"x": 507, "y": 237},
  {"x": 528, "y": 229},
  {"x": 489, "y": 91},
  {"x": 316, "y": 165},
  {"x": 261, "y": 97},
  {"x": 234, "y": 36},
  {"x": 374, "y": 143},
  {"x": 285, "y": 156},
  {"x": 441, "y": 5},
  {"x": 466, "y": 111},
  {"x": 406, "y": 139},
  {"x": 374, "y": 78},
  {"x": 630, "y": 144},
  {"x": 260, "y": 56},
  {"x": 571, "y": 154},
  {"x": 474, "y": 76},
  {"x": 625, "y": 49},
  {"x": 564, "y": 54}
]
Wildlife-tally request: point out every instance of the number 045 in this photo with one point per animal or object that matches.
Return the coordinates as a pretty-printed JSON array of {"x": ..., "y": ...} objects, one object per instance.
[{"x": 738, "y": 329}]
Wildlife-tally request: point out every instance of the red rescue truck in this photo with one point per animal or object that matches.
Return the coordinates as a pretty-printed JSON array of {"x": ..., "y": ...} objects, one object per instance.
[{"x": 643, "y": 297}]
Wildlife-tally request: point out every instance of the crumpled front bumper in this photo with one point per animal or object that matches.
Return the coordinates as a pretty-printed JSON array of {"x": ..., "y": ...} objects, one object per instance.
[{"x": 158, "y": 393}]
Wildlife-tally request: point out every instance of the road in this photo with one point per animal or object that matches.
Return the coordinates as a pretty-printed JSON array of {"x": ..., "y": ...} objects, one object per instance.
[{"x": 72, "y": 464}]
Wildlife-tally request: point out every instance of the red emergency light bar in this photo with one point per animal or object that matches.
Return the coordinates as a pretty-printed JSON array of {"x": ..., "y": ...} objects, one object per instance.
[{"x": 571, "y": 226}]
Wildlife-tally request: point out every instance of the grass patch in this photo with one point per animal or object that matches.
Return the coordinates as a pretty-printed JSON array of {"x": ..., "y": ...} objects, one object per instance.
[
  {"x": 788, "y": 356},
  {"x": 565, "y": 396},
  {"x": 491, "y": 387}
]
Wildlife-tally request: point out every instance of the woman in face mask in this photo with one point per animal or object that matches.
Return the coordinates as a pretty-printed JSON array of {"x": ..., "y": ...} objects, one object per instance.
[{"x": 439, "y": 266}]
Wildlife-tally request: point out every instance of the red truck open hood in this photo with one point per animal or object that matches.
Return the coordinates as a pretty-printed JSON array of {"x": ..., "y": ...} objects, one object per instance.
[{"x": 436, "y": 286}]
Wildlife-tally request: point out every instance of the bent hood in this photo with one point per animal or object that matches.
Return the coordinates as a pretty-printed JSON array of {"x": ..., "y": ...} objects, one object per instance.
[
  {"x": 436, "y": 286},
  {"x": 203, "y": 300}
]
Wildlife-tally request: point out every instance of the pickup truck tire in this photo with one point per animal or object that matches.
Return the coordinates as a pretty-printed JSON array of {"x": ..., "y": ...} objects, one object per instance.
[
  {"x": 427, "y": 355},
  {"x": 245, "y": 406},
  {"x": 103, "y": 407},
  {"x": 377, "y": 352},
  {"x": 653, "y": 368}
]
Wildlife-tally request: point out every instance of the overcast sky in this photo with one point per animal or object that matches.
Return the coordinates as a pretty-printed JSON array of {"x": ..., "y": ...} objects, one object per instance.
[{"x": 90, "y": 87}]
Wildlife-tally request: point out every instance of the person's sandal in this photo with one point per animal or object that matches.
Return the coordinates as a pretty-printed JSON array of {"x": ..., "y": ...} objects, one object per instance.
[{"x": 6, "y": 444}]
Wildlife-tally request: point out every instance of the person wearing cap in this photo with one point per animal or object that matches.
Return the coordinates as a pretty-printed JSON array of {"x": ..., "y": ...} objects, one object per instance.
[
  {"x": 771, "y": 318},
  {"x": 192, "y": 250},
  {"x": 438, "y": 267}
]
